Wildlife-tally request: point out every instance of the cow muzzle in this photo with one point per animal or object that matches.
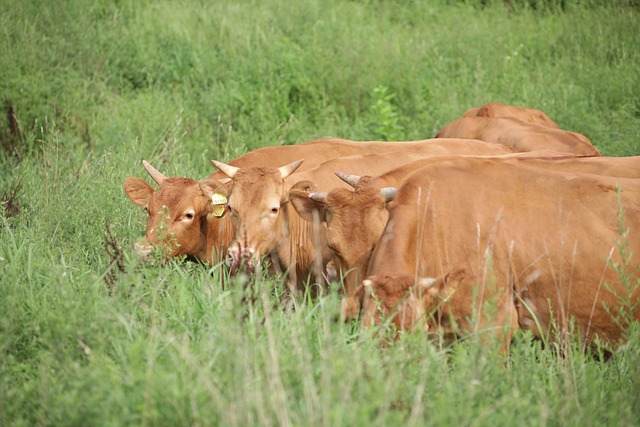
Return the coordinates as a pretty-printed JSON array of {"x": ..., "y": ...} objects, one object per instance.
[
  {"x": 242, "y": 259},
  {"x": 142, "y": 249}
]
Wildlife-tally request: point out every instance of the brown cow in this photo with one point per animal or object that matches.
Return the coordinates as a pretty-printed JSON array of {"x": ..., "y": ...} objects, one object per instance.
[
  {"x": 355, "y": 219},
  {"x": 519, "y": 135},
  {"x": 258, "y": 202},
  {"x": 180, "y": 217},
  {"x": 540, "y": 246},
  {"x": 527, "y": 115}
]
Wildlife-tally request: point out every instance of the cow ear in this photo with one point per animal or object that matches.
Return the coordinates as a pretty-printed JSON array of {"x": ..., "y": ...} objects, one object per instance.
[
  {"x": 307, "y": 206},
  {"x": 216, "y": 191},
  {"x": 211, "y": 187},
  {"x": 486, "y": 111},
  {"x": 138, "y": 190},
  {"x": 305, "y": 185},
  {"x": 443, "y": 287}
]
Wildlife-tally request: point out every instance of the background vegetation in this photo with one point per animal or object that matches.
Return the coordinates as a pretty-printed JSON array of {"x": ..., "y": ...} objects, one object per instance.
[{"x": 90, "y": 88}]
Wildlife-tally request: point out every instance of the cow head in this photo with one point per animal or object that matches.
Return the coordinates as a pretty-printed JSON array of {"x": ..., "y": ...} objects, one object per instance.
[
  {"x": 257, "y": 200},
  {"x": 402, "y": 301},
  {"x": 354, "y": 222},
  {"x": 177, "y": 213}
]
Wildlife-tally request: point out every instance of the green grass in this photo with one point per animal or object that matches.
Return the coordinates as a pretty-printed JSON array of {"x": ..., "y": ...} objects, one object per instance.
[{"x": 98, "y": 86}]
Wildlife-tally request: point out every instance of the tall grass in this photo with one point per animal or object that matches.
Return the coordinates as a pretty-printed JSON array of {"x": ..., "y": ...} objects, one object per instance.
[{"x": 90, "y": 337}]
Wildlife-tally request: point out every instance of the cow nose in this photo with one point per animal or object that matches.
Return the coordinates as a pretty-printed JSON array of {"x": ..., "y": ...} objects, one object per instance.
[
  {"x": 240, "y": 257},
  {"x": 234, "y": 254},
  {"x": 142, "y": 248},
  {"x": 237, "y": 253}
]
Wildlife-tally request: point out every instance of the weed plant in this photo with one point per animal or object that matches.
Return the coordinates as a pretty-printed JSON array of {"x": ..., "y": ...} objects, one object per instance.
[{"x": 89, "y": 336}]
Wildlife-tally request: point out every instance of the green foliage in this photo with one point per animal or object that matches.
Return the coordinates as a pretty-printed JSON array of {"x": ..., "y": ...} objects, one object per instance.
[
  {"x": 90, "y": 336},
  {"x": 384, "y": 121}
]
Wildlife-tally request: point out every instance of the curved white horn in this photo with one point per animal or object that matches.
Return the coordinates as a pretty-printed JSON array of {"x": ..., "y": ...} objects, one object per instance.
[
  {"x": 388, "y": 193},
  {"x": 287, "y": 170},
  {"x": 352, "y": 180},
  {"x": 157, "y": 176},
  {"x": 318, "y": 196},
  {"x": 226, "y": 169},
  {"x": 426, "y": 282}
]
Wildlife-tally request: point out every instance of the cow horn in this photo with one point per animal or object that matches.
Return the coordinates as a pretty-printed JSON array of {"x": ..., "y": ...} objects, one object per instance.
[
  {"x": 352, "y": 180},
  {"x": 226, "y": 169},
  {"x": 388, "y": 193},
  {"x": 287, "y": 170},
  {"x": 157, "y": 176},
  {"x": 368, "y": 287},
  {"x": 318, "y": 196},
  {"x": 426, "y": 282}
]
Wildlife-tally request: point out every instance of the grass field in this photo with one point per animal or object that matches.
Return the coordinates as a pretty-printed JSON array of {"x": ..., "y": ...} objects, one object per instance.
[{"x": 88, "y": 336}]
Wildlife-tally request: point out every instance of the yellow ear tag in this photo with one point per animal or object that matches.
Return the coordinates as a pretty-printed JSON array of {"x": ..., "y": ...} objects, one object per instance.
[{"x": 219, "y": 202}]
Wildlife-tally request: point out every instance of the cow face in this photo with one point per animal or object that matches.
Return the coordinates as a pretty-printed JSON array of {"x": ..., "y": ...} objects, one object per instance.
[
  {"x": 257, "y": 201},
  {"x": 401, "y": 302},
  {"x": 354, "y": 222},
  {"x": 394, "y": 302},
  {"x": 176, "y": 214}
]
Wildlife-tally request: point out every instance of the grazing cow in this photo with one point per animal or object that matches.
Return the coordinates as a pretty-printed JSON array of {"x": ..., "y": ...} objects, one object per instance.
[
  {"x": 258, "y": 201},
  {"x": 181, "y": 218},
  {"x": 519, "y": 135},
  {"x": 527, "y": 115},
  {"x": 355, "y": 220},
  {"x": 507, "y": 245}
]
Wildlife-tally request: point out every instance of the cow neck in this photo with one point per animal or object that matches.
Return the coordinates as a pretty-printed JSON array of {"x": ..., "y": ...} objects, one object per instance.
[{"x": 217, "y": 235}]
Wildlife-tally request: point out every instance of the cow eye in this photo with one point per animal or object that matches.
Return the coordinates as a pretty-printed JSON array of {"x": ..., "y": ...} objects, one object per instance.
[
  {"x": 274, "y": 210},
  {"x": 188, "y": 215}
]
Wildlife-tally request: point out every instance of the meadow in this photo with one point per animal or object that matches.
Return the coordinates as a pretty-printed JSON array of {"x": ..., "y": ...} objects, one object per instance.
[{"x": 90, "y": 336}]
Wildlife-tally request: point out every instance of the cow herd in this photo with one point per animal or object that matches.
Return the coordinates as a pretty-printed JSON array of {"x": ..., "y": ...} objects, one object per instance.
[{"x": 503, "y": 221}]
